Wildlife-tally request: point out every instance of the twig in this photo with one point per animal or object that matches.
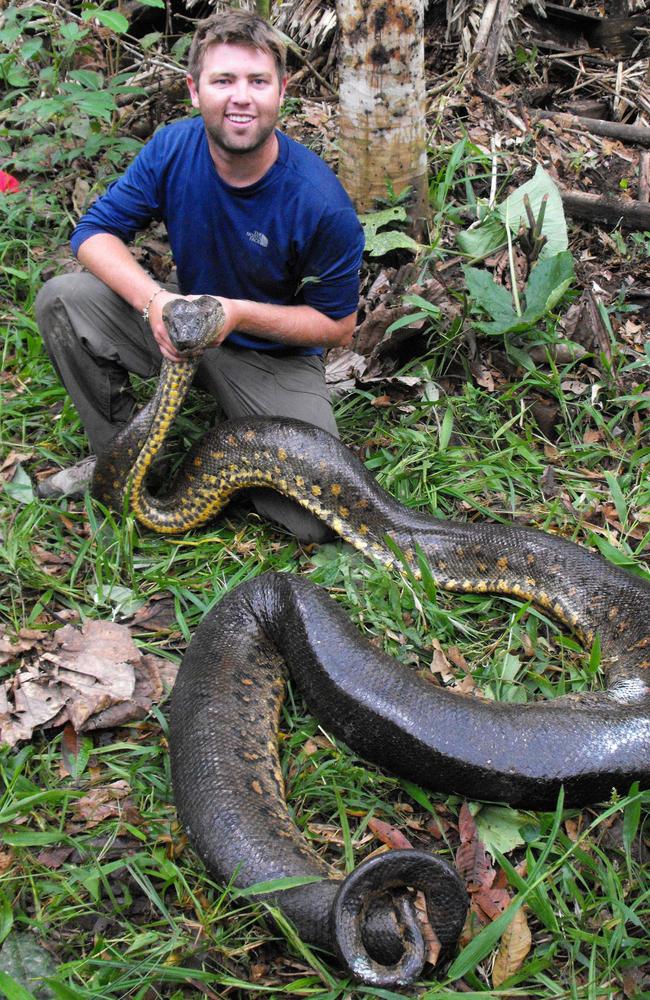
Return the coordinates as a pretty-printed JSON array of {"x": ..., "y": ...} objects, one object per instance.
[
  {"x": 503, "y": 108},
  {"x": 312, "y": 69}
]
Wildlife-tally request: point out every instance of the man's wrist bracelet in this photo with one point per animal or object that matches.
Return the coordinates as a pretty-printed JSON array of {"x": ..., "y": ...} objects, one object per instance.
[{"x": 145, "y": 311}]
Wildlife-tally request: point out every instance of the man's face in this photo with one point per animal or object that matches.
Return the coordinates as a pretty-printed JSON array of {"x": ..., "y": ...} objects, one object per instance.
[{"x": 239, "y": 96}]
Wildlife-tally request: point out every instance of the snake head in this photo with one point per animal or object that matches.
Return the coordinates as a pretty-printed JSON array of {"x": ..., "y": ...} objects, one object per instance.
[{"x": 193, "y": 324}]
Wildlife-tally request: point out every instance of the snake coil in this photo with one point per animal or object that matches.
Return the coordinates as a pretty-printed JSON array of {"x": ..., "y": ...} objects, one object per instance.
[{"x": 225, "y": 707}]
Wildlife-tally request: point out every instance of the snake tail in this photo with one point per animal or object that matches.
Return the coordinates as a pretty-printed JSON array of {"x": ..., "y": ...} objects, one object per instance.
[{"x": 229, "y": 790}]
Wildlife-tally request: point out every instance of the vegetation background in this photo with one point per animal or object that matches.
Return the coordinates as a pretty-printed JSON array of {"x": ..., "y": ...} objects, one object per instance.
[{"x": 100, "y": 894}]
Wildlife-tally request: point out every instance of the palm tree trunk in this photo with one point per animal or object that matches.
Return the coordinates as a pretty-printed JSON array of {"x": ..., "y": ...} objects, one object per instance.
[{"x": 382, "y": 103}]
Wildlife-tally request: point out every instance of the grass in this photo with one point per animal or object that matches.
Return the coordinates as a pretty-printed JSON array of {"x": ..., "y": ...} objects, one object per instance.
[{"x": 124, "y": 908}]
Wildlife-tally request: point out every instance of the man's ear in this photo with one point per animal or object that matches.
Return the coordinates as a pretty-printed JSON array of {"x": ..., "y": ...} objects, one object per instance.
[
  {"x": 283, "y": 87},
  {"x": 194, "y": 94}
]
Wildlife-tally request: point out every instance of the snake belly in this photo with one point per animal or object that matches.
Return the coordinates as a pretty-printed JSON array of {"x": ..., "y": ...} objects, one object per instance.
[{"x": 225, "y": 705}]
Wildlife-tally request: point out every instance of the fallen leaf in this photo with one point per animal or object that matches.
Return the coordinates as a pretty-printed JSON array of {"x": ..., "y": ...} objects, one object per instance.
[
  {"x": 10, "y": 465},
  {"x": 90, "y": 677},
  {"x": 70, "y": 747},
  {"x": 454, "y": 654},
  {"x": 482, "y": 375},
  {"x": 11, "y": 647},
  {"x": 498, "y": 828},
  {"x": 515, "y": 945},
  {"x": 472, "y": 861},
  {"x": 389, "y": 835},
  {"x": 104, "y": 802},
  {"x": 51, "y": 560},
  {"x": 54, "y": 857},
  {"x": 157, "y": 615},
  {"x": 432, "y": 944},
  {"x": 440, "y": 664}
]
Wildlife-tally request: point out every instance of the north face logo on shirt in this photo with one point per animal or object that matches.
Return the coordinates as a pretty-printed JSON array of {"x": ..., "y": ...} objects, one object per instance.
[{"x": 259, "y": 238}]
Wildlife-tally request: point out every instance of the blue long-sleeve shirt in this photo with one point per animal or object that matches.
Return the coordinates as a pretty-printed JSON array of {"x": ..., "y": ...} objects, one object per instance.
[{"x": 291, "y": 238}]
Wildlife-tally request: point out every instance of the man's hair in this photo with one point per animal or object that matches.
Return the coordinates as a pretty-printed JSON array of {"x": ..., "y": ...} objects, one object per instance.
[{"x": 235, "y": 27}]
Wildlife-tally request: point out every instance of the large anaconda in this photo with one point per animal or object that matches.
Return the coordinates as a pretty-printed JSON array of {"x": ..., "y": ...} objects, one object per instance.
[{"x": 225, "y": 705}]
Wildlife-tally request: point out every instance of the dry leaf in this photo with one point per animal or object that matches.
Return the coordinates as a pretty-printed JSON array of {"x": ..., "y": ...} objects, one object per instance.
[
  {"x": 456, "y": 657},
  {"x": 10, "y": 464},
  {"x": 104, "y": 802},
  {"x": 440, "y": 664},
  {"x": 6, "y": 860},
  {"x": 54, "y": 857},
  {"x": 389, "y": 835},
  {"x": 515, "y": 945},
  {"x": 491, "y": 901},
  {"x": 95, "y": 677},
  {"x": 472, "y": 860}
]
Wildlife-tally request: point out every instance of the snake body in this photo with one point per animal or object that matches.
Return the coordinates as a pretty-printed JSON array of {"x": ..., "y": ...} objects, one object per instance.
[{"x": 225, "y": 705}]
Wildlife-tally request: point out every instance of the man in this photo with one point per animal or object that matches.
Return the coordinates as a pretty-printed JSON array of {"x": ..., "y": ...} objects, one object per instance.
[{"x": 253, "y": 218}]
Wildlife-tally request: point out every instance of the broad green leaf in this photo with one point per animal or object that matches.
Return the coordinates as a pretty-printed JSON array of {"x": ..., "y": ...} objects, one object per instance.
[
  {"x": 378, "y": 243},
  {"x": 548, "y": 282},
  {"x": 97, "y": 105},
  {"x": 153, "y": 3},
  {"x": 372, "y": 221},
  {"x": 109, "y": 18},
  {"x": 382, "y": 243},
  {"x": 31, "y": 48},
  {"x": 485, "y": 293},
  {"x": 20, "y": 487},
  {"x": 406, "y": 321},
  {"x": 72, "y": 31},
  {"x": 87, "y": 77},
  {"x": 483, "y": 240},
  {"x": 499, "y": 828},
  {"x": 513, "y": 212}
]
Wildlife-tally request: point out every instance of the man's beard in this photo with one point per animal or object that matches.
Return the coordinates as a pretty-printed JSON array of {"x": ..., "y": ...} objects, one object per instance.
[{"x": 217, "y": 137}]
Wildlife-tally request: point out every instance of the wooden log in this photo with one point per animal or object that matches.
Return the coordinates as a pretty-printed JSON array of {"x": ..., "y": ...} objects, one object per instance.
[
  {"x": 634, "y": 135},
  {"x": 603, "y": 208}
]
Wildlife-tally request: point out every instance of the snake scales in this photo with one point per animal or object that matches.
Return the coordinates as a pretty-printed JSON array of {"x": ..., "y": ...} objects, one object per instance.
[{"x": 225, "y": 705}]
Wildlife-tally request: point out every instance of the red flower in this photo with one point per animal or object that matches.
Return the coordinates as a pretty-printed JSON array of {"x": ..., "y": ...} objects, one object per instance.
[{"x": 8, "y": 183}]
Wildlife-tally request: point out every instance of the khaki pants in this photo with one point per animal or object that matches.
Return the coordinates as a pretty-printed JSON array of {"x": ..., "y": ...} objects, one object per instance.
[{"x": 94, "y": 339}]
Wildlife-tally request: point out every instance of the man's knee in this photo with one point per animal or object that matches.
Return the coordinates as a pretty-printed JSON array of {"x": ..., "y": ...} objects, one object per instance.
[
  {"x": 290, "y": 515},
  {"x": 63, "y": 288}
]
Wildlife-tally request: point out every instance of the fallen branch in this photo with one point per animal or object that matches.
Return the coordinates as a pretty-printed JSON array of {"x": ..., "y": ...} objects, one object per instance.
[
  {"x": 635, "y": 135},
  {"x": 643, "y": 188},
  {"x": 603, "y": 208}
]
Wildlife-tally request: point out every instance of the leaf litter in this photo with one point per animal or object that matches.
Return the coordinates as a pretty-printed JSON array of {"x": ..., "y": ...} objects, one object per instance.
[{"x": 93, "y": 677}]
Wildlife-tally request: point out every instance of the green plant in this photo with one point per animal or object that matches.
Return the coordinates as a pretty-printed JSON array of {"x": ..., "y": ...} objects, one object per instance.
[{"x": 548, "y": 282}]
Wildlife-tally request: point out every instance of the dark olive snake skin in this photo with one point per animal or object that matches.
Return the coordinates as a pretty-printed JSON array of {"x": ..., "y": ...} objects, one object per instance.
[{"x": 225, "y": 705}]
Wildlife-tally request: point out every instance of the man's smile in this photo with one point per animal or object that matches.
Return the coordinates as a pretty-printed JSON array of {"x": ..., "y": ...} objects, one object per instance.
[{"x": 239, "y": 119}]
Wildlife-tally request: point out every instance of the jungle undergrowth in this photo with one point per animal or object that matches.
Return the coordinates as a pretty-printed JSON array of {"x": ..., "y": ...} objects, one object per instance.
[{"x": 125, "y": 907}]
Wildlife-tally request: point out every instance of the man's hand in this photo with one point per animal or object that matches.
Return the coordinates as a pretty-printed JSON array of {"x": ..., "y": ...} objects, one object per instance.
[{"x": 159, "y": 329}]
